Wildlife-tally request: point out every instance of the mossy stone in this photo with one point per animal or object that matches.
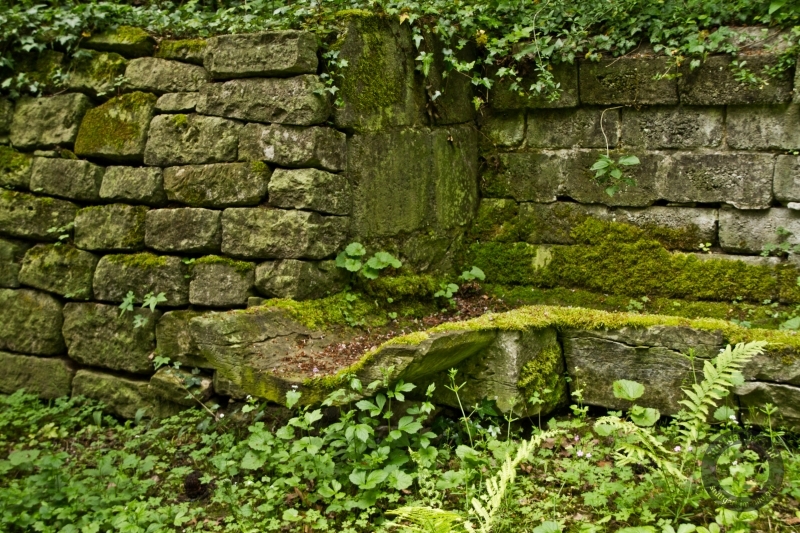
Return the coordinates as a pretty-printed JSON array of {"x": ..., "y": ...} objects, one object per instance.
[
  {"x": 68, "y": 178},
  {"x": 267, "y": 54},
  {"x": 95, "y": 73},
  {"x": 502, "y": 129},
  {"x": 174, "y": 341},
  {"x": 187, "y": 50},
  {"x": 189, "y": 229},
  {"x": 30, "y": 322},
  {"x": 122, "y": 396},
  {"x": 294, "y": 146},
  {"x": 191, "y": 140},
  {"x": 143, "y": 185},
  {"x": 15, "y": 168},
  {"x": 311, "y": 189},
  {"x": 48, "y": 122},
  {"x": 125, "y": 40},
  {"x": 627, "y": 81},
  {"x": 32, "y": 217},
  {"x": 142, "y": 273},
  {"x": 11, "y": 254},
  {"x": 113, "y": 227},
  {"x": 221, "y": 282},
  {"x": 154, "y": 75},
  {"x": 217, "y": 185},
  {"x": 181, "y": 387},
  {"x": 62, "y": 269},
  {"x": 117, "y": 130},
  {"x": 299, "y": 280},
  {"x": 48, "y": 378},
  {"x": 716, "y": 83},
  {"x": 6, "y": 116},
  {"x": 42, "y": 67}
]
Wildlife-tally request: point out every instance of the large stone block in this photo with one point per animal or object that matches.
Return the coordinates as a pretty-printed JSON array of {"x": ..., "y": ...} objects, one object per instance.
[
  {"x": 567, "y": 128},
  {"x": 715, "y": 83},
  {"x": 221, "y": 282},
  {"x": 15, "y": 169},
  {"x": 655, "y": 128},
  {"x": 144, "y": 273},
  {"x": 122, "y": 396},
  {"x": 681, "y": 228},
  {"x": 294, "y": 146},
  {"x": 117, "y": 130},
  {"x": 33, "y": 217},
  {"x": 144, "y": 185},
  {"x": 775, "y": 127},
  {"x": 113, "y": 227},
  {"x": 48, "y": 122},
  {"x": 125, "y": 40},
  {"x": 30, "y": 322},
  {"x": 749, "y": 231},
  {"x": 283, "y": 100},
  {"x": 552, "y": 223},
  {"x": 496, "y": 220},
  {"x": 217, "y": 185},
  {"x": 753, "y": 396},
  {"x": 11, "y": 254},
  {"x": 177, "y": 103},
  {"x": 95, "y": 73},
  {"x": 268, "y": 54},
  {"x": 62, "y": 269},
  {"x": 524, "y": 176},
  {"x": 299, "y": 280},
  {"x": 161, "y": 76},
  {"x": 48, "y": 378},
  {"x": 454, "y": 174},
  {"x": 67, "y": 178},
  {"x": 503, "y": 98},
  {"x": 502, "y": 129},
  {"x": 181, "y": 387},
  {"x": 627, "y": 81},
  {"x": 174, "y": 341},
  {"x": 98, "y": 335},
  {"x": 6, "y": 117},
  {"x": 580, "y": 185},
  {"x": 786, "y": 182},
  {"x": 191, "y": 140},
  {"x": 187, "y": 50},
  {"x": 450, "y": 93},
  {"x": 312, "y": 189},
  {"x": 277, "y": 234},
  {"x": 189, "y": 229}
]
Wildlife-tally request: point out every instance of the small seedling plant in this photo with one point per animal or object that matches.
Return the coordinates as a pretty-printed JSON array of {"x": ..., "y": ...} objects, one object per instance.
[
  {"x": 150, "y": 300},
  {"x": 448, "y": 290},
  {"x": 352, "y": 260}
]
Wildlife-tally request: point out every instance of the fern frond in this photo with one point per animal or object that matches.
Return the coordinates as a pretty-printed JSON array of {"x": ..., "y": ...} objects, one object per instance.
[{"x": 427, "y": 519}]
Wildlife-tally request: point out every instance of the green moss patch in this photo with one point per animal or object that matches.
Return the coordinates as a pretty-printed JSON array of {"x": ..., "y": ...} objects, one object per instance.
[
  {"x": 143, "y": 260},
  {"x": 239, "y": 266},
  {"x": 117, "y": 130}
]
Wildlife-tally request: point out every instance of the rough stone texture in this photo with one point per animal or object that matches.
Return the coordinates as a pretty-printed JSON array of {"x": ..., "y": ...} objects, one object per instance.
[
  {"x": 309, "y": 188},
  {"x": 191, "y": 140},
  {"x": 121, "y": 396},
  {"x": 656, "y": 128},
  {"x": 28, "y": 216},
  {"x": 30, "y": 322},
  {"x": 502, "y": 129},
  {"x": 11, "y": 254},
  {"x": 161, "y": 76},
  {"x": 749, "y": 231},
  {"x": 786, "y": 182},
  {"x": 136, "y": 185},
  {"x": 552, "y": 223},
  {"x": 627, "y": 80},
  {"x": 221, "y": 282},
  {"x": 125, "y": 40},
  {"x": 715, "y": 83},
  {"x": 141, "y": 274},
  {"x": 268, "y": 54},
  {"x": 694, "y": 224},
  {"x": 48, "y": 378},
  {"x": 218, "y": 185},
  {"x": 293, "y": 146},
  {"x": 64, "y": 270},
  {"x": 97, "y": 335},
  {"x": 171, "y": 384},
  {"x": 6, "y": 116},
  {"x": 15, "y": 169},
  {"x": 502, "y": 98},
  {"x": 278, "y": 234},
  {"x": 225, "y": 387},
  {"x": 117, "y": 130},
  {"x": 281, "y": 100},
  {"x": 113, "y": 227},
  {"x": 177, "y": 103},
  {"x": 299, "y": 280},
  {"x": 775, "y": 365},
  {"x": 764, "y": 127},
  {"x": 186, "y": 50},
  {"x": 754, "y": 395},
  {"x": 409, "y": 179},
  {"x": 796, "y": 97},
  {"x": 48, "y": 122},
  {"x": 750, "y": 260},
  {"x": 579, "y": 184},
  {"x": 189, "y": 229},
  {"x": 67, "y": 178},
  {"x": 94, "y": 73},
  {"x": 174, "y": 341},
  {"x": 567, "y": 128},
  {"x": 524, "y": 176}
]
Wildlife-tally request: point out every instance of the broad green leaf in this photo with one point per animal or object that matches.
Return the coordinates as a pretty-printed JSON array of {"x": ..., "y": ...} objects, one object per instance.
[
  {"x": 644, "y": 416},
  {"x": 292, "y": 397},
  {"x": 399, "y": 480},
  {"x": 409, "y": 425},
  {"x": 548, "y": 527},
  {"x": 724, "y": 413},
  {"x": 355, "y": 249},
  {"x": 18, "y": 458},
  {"x": 628, "y": 390},
  {"x": 629, "y": 160},
  {"x": 352, "y": 265},
  {"x": 776, "y": 5},
  {"x": 251, "y": 461},
  {"x": 369, "y": 272}
]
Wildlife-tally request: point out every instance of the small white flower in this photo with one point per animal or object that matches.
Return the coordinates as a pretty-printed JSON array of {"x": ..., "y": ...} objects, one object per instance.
[
  {"x": 222, "y": 415},
  {"x": 677, "y": 448},
  {"x": 690, "y": 448},
  {"x": 580, "y": 453},
  {"x": 294, "y": 386},
  {"x": 734, "y": 463},
  {"x": 588, "y": 455},
  {"x": 733, "y": 417},
  {"x": 577, "y": 438},
  {"x": 248, "y": 482},
  {"x": 493, "y": 431},
  {"x": 315, "y": 370},
  {"x": 248, "y": 397}
]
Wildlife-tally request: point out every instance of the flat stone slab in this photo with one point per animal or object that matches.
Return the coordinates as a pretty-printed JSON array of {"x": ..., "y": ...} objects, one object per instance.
[
  {"x": 174, "y": 341},
  {"x": 125, "y": 40},
  {"x": 656, "y": 128},
  {"x": 11, "y": 254},
  {"x": 142, "y": 185},
  {"x": 749, "y": 231},
  {"x": 786, "y": 182},
  {"x": 221, "y": 282},
  {"x": 268, "y": 54},
  {"x": 15, "y": 168},
  {"x": 154, "y": 75},
  {"x": 95, "y": 73},
  {"x": 764, "y": 127},
  {"x": 627, "y": 81},
  {"x": 62, "y": 269},
  {"x": 49, "y": 378},
  {"x": 30, "y": 322},
  {"x": 177, "y": 103},
  {"x": 715, "y": 83},
  {"x": 294, "y": 146},
  {"x": 68, "y": 178},
  {"x": 218, "y": 185},
  {"x": 122, "y": 396},
  {"x": 189, "y": 229},
  {"x": 311, "y": 189},
  {"x": 28, "y": 216},
  {"x": 41, "y": 123},
  {"x": 117, "y": 130},
  {"x": 299, "y": 280},
  {"x": 567, "y": 128},
  {"x": 755, "y": 395},
  {"x": 141, "y": 274},
  {"x": 110, "y": 228},
  {"x": 191, "y": 140}
]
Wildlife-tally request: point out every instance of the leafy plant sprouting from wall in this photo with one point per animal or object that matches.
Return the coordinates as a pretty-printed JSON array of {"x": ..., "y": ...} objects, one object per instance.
[
  {"x": 610, "y": 172},
  {"x": 352, "y": 260}
]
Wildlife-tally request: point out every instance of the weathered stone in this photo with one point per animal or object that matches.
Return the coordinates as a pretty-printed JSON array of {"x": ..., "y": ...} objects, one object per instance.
[
  {"x": 774, "y": 365},
  {"x": 579, "y": 184},
  {"x": 524, "y": 176},
  {"x": 177, "y": 103},
  {"x": 48, "y": 378},
  {"x": 67, "y": 178},
  {"x": 502, "y": 129},
  {"x": 117, "y": 130},
  {"x": 225, "y": 387},
  {"x": 786, "y": 183},
  {"x": 627, "y": 81},
  {"x": 28, "y": 216},
  {"x": 450, "y": 94},
  {"x": 496, "y": 220},
  {"x": 144, "y": 273},
  {"x": 188, "y": 229},
  {"x": 181, "y": 387},
  {"x": 567, "y": 128},
  {"x": 309, "y": 188},
  {"x": 796, "y": 97},
  {"x": 113, "y": 227},
  {"x": 753, "y": 396},
  {"x": 187, "y": 50},
  {"x": 30, "y": 322},
  {"x": 715, "y": 83},
  {"x": 161, "y": 76},
  {"x": 764, "y": 127},
  {"x": 741, "y": 180},
  {"x": 95, "y": 73},
  {"x": 277, "y": 234},
  {"x": 655, "y": 128},
  {"x": 283, "y": 100},
  {"x": 64, "y": 270},
  {"x": 299, "y": 280},
  {"x": 6, "y": 116},
  {"x": 502, "y": 98},
  {"x": 687, "y": 227},
  {"x": 191, "y": 140},
  {"x": 749, "y": 231},
  {"x": 48, "y": 122},
  {"x": 122, "y": 396},
  {"x": 125, "y": 40},
  {"x": 15, "y": 169},
  {"x": 137, "y": 185},
  {"x": 293, "y": 146},
  {"x": 221, "y": 282},
  {"x": 174, "y": 341},
  {"x": 98, "y": 335},
  {"x": 218, "y": 185},
  {"x": 553, "y": 223},
  {"x": 268, "y": 54},
  {"x": 750, "y": 260},
  {"x": 11, "y": 254}
]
